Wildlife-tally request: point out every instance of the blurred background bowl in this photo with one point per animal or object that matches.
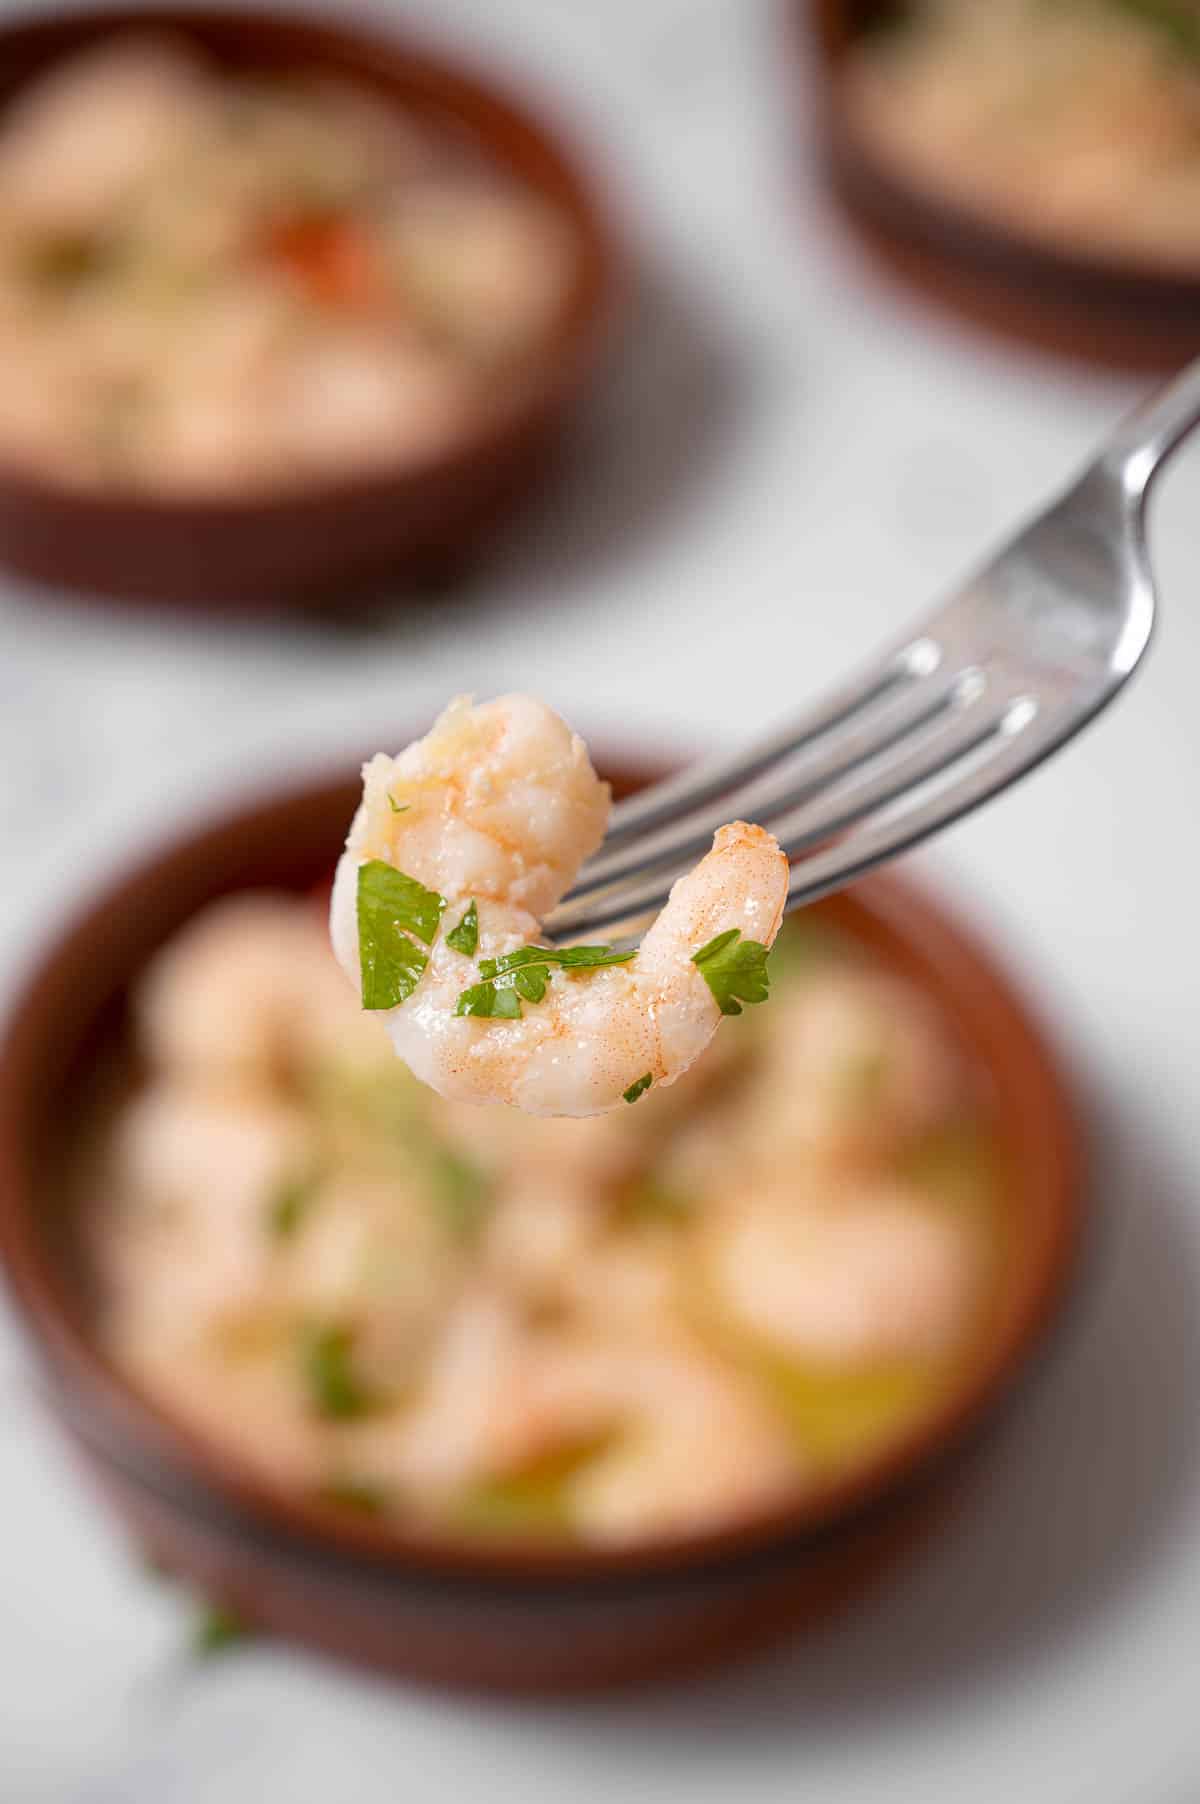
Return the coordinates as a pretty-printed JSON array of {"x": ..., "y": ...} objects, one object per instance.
[
  {"x": 1113, "y": 312},
  {"x": 524, "y": 1618},
  {"x": 421, "y": 520}
]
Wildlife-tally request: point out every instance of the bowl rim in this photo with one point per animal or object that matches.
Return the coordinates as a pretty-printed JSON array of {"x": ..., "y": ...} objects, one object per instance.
[
  {"x": 94, "y": 1395},
  {"x": 967, "y": 237},
  {"x": 446, "y": 83}
]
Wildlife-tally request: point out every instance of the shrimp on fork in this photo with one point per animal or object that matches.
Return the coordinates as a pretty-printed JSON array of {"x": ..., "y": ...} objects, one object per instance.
[{"x": 490, "y": 817}]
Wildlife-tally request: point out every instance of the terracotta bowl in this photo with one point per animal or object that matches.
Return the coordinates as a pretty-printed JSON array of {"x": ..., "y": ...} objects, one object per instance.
[
  {"x": 417, "y": 521},
  {"x": 1116, "y": 313},
  {"x": 529, "y": 1618}
]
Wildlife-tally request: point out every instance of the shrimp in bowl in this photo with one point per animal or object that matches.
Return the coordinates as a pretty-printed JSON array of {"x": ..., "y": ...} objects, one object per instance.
[{"x": 462, "y": 845}]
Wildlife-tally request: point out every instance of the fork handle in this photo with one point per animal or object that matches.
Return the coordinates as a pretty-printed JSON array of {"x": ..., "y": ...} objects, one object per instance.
[{"x": 1146, "y": 437}]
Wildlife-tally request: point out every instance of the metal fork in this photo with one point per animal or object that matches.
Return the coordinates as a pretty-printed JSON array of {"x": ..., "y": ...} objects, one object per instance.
[{"x": 973, "y": 696}]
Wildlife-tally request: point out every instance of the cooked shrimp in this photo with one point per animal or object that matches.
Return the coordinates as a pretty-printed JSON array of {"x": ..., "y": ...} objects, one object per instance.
[
  {"x": 1068, "y": 121},
  {"x": 871, "y": 1277},
  {"x": 539, "y": 1235},
  {"x": 350, "y": 396},
  {"x": 491, "y": 268},
  {"x": 589, "y": 1159},
  {"x": 224, "y": 1003},
  {"x": 370, "y": 1257},
  {"x": 198, "y": 1172},
  {"x": 633, "y": 1282},
  {"x": 498, "y": 801},
  {"x": 691, "y": 1440},
  {"x": 451, "y": 1433},
  {"x": 863, "y": 1069},
  {"x": 499, "y": 805},
  {"x": 77, "y": 143},
  {"x": 288, "y": 1446}
]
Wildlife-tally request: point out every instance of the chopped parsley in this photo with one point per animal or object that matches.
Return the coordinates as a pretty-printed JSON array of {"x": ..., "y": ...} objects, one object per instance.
[
  {"x": 529, "y": 981},
  {"x": 389, "y": 1113},
  {"x": 489, "y": 1003},
  {"x": 397, "y": 807},
  {"x": 650, "y": 1200},
  {"x": 333, "y": 1387},
  {"x": 1174, "y": 20},
  {"x": 462, "y": 1190},
  {"x": 391, "y": 979},
  {"x": 571, "y": 958},
  {"x": 289, "y": 1203},
  {"x": 734, "y": 969},
  {"x": 523, "y": 975},
  {"x": 391, "y": 907},
  {"x": 217, "y": 1628},
  {"x": 638, "y": 1089},
  {"x": 465, "y": 937}
]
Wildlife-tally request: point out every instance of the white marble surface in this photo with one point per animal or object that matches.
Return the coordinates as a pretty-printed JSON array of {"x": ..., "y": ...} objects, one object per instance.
[{"x": 789, "y": 459}]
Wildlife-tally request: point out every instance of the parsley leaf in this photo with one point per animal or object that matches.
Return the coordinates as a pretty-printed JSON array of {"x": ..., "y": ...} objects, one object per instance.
[
  {"x": 400, "y": 899},
  {"x": 397, "y": 807},
  {"x": 528, "y": 981},
  {"x": 571, "y": 958},
  {"x": 216, "y": 1630},
  {"x": 334, "y": 1389},
  {"x": 525, "y": 974},
  {"x": 389, "y": 980},
  {"x": 638, "y": 1089},
  {"x": 289, "y": 1203},
  {"x": 1175, "y": 20},
  {"x": 499, "y": 997},
  {"x": 461, "y": 1189},
  {"x": 391, "y": 906},
  {"x": 489, "y": 1002},
  {"x": 649, "y": 1200},
  {"x": 733, "y": 967},
  {"x": 465, "y": 937}
]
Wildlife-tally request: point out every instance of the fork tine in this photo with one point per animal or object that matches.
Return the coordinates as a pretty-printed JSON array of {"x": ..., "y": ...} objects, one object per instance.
[
  {"x": 974, "y": 722},
  {"x": 829, "y": 760},
  {"x": 987, "y": 751},
  {"x": 1018, "y": 748},
  {"x": 913, "y": 658},
  {"x": 1049, "y": 628}
]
